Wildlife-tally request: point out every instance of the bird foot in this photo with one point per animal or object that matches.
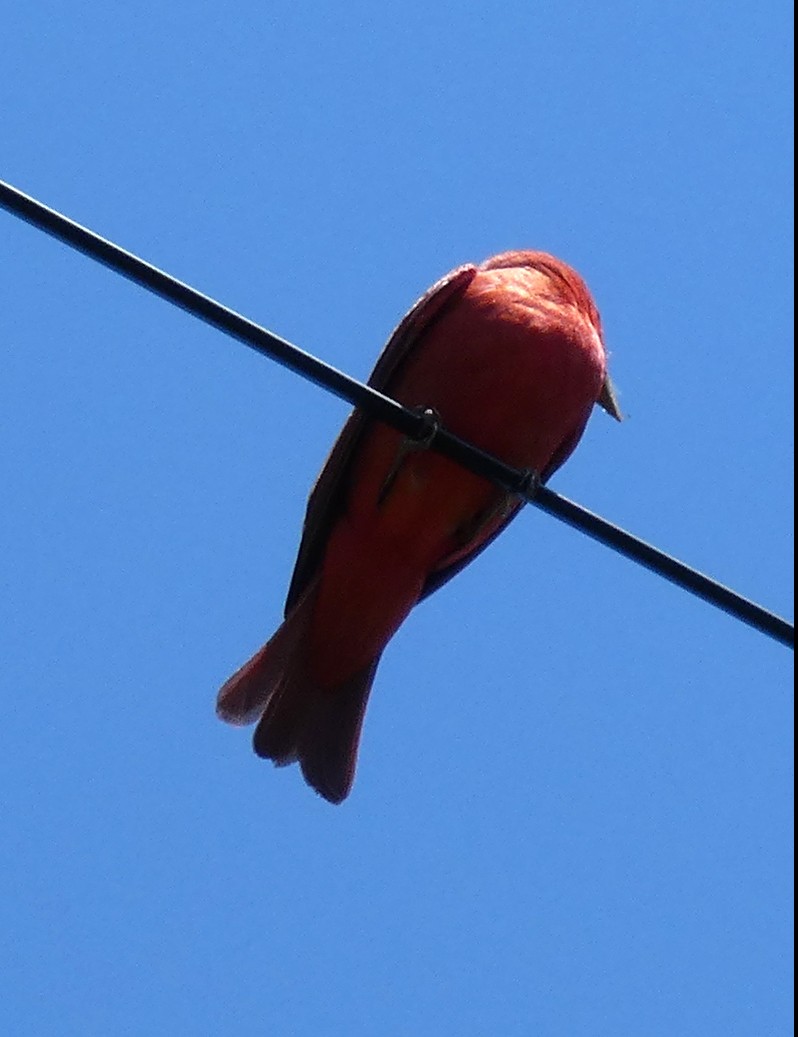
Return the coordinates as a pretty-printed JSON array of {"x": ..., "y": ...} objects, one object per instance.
[
  {"x": 529, "y": 484},
  {"x": 431, "y": 424}
]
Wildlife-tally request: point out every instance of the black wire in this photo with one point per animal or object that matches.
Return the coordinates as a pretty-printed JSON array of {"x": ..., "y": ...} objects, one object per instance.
[{"x": 412, "y": 423}]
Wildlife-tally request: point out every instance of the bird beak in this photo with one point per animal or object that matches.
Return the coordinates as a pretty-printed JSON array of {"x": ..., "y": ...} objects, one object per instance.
[{"x": 608, "y": 400}]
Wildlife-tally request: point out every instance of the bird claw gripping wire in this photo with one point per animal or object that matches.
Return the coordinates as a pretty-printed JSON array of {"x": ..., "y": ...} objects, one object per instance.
[
  {"x": 528, "y": 485},
  {"x": 430, "y": 426}
]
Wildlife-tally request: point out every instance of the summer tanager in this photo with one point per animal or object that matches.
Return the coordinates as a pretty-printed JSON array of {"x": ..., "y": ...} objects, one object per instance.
[{"x": 510, "y": 356}]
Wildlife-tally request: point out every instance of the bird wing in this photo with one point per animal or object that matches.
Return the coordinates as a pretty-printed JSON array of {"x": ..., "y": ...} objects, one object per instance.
[{"x": 327, "y": 497}]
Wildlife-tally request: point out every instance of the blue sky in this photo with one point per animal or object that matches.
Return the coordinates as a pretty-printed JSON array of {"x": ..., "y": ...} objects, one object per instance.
[{"x": 573, "y": 807}]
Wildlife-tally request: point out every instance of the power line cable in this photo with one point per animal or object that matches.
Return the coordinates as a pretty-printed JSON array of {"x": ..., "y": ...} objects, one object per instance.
[{"x": 413, "y": 423}]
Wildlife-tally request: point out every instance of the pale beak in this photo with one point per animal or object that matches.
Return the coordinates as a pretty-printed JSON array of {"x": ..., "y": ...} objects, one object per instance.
[{"x": 608, "y": 400}]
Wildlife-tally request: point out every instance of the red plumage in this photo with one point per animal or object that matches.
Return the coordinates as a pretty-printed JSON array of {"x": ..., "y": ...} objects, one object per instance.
[{"x": 510, "y": 355}]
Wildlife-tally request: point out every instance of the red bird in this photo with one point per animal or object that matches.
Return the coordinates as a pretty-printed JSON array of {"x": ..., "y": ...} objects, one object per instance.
[{"x": 510, "y": 355}]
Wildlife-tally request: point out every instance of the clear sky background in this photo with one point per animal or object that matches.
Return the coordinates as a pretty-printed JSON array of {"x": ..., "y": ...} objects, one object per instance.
[{"x": 572, "y": 814}]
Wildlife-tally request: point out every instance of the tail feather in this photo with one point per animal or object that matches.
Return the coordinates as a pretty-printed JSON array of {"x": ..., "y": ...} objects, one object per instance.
[
  {"x": 319, "y": 727},
  {"x": 243, "y": 698},
  {"x": 297, "y": 719}
]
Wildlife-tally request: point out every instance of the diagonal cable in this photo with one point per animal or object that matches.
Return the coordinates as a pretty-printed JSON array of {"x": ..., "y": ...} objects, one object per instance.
[{"x": 377, "y": 405}]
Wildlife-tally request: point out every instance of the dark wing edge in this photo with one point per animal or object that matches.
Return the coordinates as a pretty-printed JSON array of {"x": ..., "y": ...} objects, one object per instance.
[
  {"x": 326, "y": 497},
  {"x": 441, "y": 576}
]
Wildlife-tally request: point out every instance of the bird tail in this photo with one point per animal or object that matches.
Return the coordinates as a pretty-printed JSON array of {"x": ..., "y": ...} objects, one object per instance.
[{"x": 299, "y": 721}]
